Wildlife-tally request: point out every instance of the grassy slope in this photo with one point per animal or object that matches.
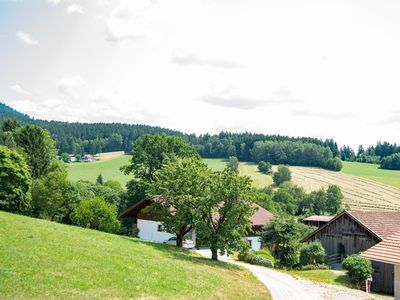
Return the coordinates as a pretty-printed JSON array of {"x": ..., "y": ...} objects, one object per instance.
[
  {"x": 373, "y": 172},
  {"x": 41, "y": 259},
  {"x": 108, "y": 168}
]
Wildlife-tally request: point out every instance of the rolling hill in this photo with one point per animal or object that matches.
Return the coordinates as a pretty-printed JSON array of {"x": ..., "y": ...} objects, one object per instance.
[
  {"x": 375, "y": 190},
  {"x": 45, "y": 260}
]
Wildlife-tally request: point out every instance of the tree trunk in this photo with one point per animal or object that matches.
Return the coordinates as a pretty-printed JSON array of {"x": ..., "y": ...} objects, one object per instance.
[
  {"x": 214, "y": 254},
  {"x": 179, "y": 240}
]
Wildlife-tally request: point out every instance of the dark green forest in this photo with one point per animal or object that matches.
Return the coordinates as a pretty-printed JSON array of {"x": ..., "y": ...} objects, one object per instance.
[{"x": 80, "y": 138}]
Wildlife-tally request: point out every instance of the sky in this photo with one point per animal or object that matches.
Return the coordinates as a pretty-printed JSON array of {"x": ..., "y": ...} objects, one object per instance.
[{"x": 325, "y": 69}]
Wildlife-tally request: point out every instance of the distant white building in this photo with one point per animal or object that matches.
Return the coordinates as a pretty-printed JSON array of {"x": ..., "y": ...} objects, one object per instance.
[{"x": 152, "y": 230}]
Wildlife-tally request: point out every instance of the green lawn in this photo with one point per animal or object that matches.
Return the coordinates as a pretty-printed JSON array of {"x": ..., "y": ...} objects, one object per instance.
[
  {"x": 324, "y": 276},
  {"x": 108, "y": 168},
  {"x": 371, "y": 171},
  {"x": 45, "y": 260}
]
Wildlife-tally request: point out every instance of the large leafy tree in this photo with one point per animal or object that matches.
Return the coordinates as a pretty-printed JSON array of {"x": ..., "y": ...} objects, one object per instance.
[
  {"x": 225, "y": 213},
  {"x": 150, "y": 151},
  {"x": 15, "y": 182},
  {"x": 148, "y": 155},
  {"x": 178, "y": 187},
  {"x": 38, "y": 147}
]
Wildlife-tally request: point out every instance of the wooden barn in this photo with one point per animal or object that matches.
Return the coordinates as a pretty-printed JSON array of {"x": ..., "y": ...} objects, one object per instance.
[{"x": 354, "y": 232}]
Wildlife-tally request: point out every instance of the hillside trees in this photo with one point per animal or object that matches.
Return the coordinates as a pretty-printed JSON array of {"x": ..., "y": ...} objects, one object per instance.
[
  {"x": 15, "y": 182},
  {"x": 391, "y": 162},
  {"x": 38, "y": 147},
  {"x": 53, "y": 196}
]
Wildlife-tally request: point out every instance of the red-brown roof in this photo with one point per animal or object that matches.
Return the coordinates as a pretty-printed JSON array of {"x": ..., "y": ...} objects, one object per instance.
[
  {"x": 387, "y": 251},
  {"x": 260, "y": 217},
  {"x": 382, "y": 223},
  {"x": 316, "y": 218},
  {"x": 379, "y": 223}
]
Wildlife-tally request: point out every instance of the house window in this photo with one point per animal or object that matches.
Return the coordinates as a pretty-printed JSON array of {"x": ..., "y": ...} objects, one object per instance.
[{"x": 160, "y": 228}]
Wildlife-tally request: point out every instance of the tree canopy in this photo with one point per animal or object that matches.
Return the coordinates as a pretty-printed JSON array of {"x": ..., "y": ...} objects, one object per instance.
[{"x": 15, "y": 182}]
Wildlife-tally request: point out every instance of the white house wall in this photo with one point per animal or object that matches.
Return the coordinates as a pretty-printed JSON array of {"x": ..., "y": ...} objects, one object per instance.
[
  {"x": 255, "y": 242},
  {"x": 148, "y": 230}
]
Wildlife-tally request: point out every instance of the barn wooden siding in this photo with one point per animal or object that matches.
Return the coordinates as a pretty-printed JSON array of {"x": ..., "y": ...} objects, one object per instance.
[{"x": 355, "y": 239}]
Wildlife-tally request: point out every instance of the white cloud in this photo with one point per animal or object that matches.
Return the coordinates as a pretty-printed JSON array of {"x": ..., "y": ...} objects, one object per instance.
[
  {"x": 26, "y": 38},
  {"x": 18, "y": 89},
  {"x": 69, "y": 85},
  {"x": 187, "y": 59},
  {"x": 74, "y": 8},
  {"x": 128, "y": 21}
]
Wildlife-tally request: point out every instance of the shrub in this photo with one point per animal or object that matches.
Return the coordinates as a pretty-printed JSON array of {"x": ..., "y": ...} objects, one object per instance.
[
  {"x": 97, "y": 214},
  {"x": 283, "y": 174},
  {"x": 358, "y": 268},
  {"x": 255, "y": 259},
  {"x": 264, "y": 167},
  {"x": 312, "y": 253},
  {"x": 334, "y": 164},
  {"x": 267, "y": 254}
]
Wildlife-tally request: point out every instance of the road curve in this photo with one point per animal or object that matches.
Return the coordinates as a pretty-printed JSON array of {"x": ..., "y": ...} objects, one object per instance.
[{"x": 285, "y": 287}]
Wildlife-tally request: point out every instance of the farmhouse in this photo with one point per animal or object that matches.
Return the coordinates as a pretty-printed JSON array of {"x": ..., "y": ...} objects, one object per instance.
[
  {"x": 355, "y": 232},
  {"x": 388, "y": 251},
  {"x": 152, "y": 230}
]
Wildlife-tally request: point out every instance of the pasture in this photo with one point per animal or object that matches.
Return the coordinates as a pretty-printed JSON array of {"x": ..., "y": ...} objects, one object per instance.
[
  {"x": 372, "y": 171},
  {"x": 46, "y": 260},
  {"x": 109, "y": 168}
]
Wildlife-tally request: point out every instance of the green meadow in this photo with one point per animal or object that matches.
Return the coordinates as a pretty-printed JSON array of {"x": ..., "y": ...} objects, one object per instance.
[
  {"x": 110, "y": 169},
  {"x": 46, "y": 260},
  {"x": 372, "y": 171}
]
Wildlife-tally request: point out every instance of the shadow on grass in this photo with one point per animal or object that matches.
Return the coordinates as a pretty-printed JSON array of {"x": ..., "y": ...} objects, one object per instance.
[
  {"x": 344, "y": 280},
  {"x": 184, "y": 254}
]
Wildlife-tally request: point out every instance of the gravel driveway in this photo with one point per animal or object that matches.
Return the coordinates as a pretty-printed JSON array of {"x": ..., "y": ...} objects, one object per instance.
[{"x": 285, "y": 287}]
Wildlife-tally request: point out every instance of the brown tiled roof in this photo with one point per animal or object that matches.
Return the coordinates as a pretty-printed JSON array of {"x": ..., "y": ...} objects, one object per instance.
[
  {"x": 261, "y": 216},
  {"x": 382, "y": 223},
  {"x": 316, "y": 218},
  {"x": 387, "y": 251}
]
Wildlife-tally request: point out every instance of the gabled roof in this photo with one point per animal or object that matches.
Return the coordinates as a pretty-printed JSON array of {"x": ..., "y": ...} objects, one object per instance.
[
  {"x": 383, "y": 223},
  {"x": 317, "y": 218},
  {"x": 387, "y": 251},
  {"x": 379, "y": 223},
  {"x": 260, "y": 217}
]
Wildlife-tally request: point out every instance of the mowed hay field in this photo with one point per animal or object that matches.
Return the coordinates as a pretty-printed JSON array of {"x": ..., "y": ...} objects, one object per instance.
[
  {"x": 359, "y": 193},
  {"x": 46, "y": 260}
]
